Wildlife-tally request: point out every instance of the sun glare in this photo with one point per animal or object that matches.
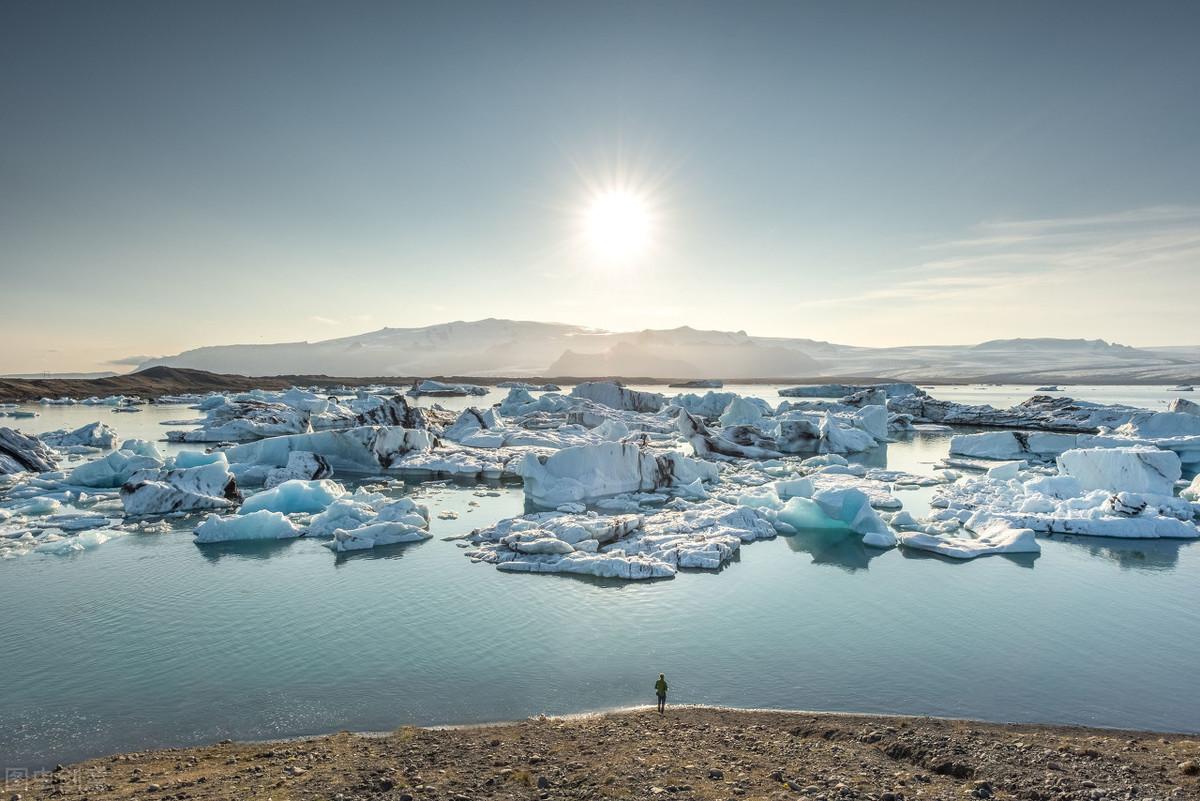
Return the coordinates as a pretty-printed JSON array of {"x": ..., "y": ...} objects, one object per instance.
[{"x": 617, "y": 225}]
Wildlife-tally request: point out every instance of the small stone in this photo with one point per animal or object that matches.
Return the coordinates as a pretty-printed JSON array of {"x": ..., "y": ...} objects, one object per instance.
[
  {"x": 1189, "y": 768},
  {"x": 716, "y": 774},
  {"x": 296, "y": 770},
  {"x": 153, "y": 788},
  {"x": 543, "y": 783}
]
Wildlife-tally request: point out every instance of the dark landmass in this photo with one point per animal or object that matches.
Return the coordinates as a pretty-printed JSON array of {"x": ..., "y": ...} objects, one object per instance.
[
  {"x": 155, "y": 382},
  {"x": 690, "y": 753}
]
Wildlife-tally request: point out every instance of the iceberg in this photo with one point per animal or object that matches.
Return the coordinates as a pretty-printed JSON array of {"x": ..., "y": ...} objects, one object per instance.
[
  {"x": 589, "y": 472},
  {"x": 1143, "y": 470},
  {"x": 246, "y": 420},
  {"x": 1058, "y": 504},
  {"x": 738, "y": 442},
  {"x": 260, "y": 525},
  {"x": 295, "y": 496},
  {"x": 154, "y": 492},
  {"x": 20, "y": 453},
  {"x": 627, "y": 546},
  {"x": 393, "y": 411},
  {"x": 93, "y": 435},
  {"x": 1034, "y": 446},
  {"x": 993, "y": 537},
  {"x": 1041, "y": 412},
  {"x": 353, "y": 512},
  {"x": 894, "y": 390},
  {"x": 115, "y": 469},
  {"x": 366, "y": 449},
  {"x": 615, "y": 396},
  {"x": 742, "y": 411},
  {"x": 842, "y": 508},
  {"x": 440, "y": 389},
  {"x": 301, "y": 465},
  {"x": 374, "y": 535}
]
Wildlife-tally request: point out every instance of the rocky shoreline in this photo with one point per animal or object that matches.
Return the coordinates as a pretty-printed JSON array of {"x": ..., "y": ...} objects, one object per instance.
[{"x": 690, "y": 753}]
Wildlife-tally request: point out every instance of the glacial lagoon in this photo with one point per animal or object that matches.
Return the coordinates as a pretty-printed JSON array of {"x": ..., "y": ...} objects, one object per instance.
[{"x": 151, "y": 640}]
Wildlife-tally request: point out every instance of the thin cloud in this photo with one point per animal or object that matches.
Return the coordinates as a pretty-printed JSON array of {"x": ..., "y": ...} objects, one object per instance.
[{"x": 316, "y": 318}]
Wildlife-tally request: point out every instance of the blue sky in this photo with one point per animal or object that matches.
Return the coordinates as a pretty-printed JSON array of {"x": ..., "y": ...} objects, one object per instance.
[{"x": 180, "y": 174}]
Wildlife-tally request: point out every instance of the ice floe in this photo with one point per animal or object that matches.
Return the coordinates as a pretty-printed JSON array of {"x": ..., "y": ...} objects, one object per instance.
[
  {"x": 587, "y": 472},
  {"x": 181, "y": 489},
  {"x": 20, "y": 453}
]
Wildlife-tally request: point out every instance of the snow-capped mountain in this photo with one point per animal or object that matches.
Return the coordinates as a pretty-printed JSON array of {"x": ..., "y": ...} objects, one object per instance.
[{"x": 519, "y": 348}]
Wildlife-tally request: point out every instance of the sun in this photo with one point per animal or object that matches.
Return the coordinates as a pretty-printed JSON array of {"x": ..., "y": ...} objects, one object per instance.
[{"x": 617, "y": 225}]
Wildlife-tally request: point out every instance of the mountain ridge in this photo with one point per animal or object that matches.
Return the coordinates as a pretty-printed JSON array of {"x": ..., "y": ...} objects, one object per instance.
[{"x": 493, "y": 347}]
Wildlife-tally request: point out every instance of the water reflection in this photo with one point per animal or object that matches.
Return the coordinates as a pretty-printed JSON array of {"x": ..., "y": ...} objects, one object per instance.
[
  {"x": 1018, "y": 559},
  {"x": 214, "y": 552},
  {"x": 1131, "y": 554},
  {"x": 396, "y": 551},
  {"x": 842, "y": 549}
]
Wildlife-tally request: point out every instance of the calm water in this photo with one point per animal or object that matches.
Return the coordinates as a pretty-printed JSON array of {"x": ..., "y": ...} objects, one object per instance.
[{"x": 150, "y": 640}]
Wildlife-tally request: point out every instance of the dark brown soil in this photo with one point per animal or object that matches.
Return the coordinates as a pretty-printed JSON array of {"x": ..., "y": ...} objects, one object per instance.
[{"x": 690, "y": 753}]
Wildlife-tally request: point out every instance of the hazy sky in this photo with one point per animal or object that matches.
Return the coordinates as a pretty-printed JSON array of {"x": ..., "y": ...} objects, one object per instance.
[{"x": 177, "y": 174}]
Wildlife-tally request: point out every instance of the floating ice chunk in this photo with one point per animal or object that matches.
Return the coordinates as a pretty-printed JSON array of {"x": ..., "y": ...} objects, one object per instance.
[
  {"x": 836, "y": 438},
  {"x": 1184, "y": 406},
  {"x": 113, "y": 470},
  {"x": 393, "y": 411},
  {"x": 742, "y": 411},
  {"x": 20, "y": 453},
  {"x": 294, "y": 496},
  {"x": 93, "y": 435},
  {"x": 615, "y": 396},
  {"x": 605, "y": 565},
  {"x": 589, "y": 472},
  {"x": 260, "y": 525},
  {"x": 58, "y": 542},
  {"x": 743, "y": 442},
  {"x": 301, "y": 465},
  {"x": 356, "y": 450},
  {"x": 152, "y": 492},
  {"x": 995, "y": 537},
  {"x": 1035, "y": 445},
  {"x": 873, "y": 419},
  {"x": 1041, "y": 412},
  {"x": 141, "y": 447},
  {"x": 710, "y": 405},
  {"x": 612, "y": 430},
  {"x": 1134, "y": 469},
  {"x": 245, "y": 420},
  {"x": 1006, "y": 471},
  {"x": 471, "y": 424},
  {"x": 841, "y": 509},
  {"x": 1192, "y": 491},
  {"x": 440, "y": 389},
  {"x": 895, "y": 390},
  {"x": 198, "y": 458},
  {"x": 375, "y": 535}
]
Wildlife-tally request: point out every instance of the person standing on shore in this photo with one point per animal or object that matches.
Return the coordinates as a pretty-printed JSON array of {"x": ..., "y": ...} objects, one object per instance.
[{"x": 660, "y": 689}]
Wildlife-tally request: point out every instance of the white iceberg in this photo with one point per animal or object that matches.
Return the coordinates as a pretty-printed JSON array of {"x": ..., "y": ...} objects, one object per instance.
[
  {"x": 153, "y": 492},
  {"x": 295, "y": 496},
  {"x": 93, "y": 435},
  {"x": 1143, "y": 470},
  {"x": 994, "y": 537},
  {"x": 589, "y": 472},
  {"x": 615, "y": 396},
  {"x": 374, "y": 535},
  {"x": 301, "y": 465},
  {"x": 366, "y": 449},
  {"x": 113, "y": 470},
  {"x": 260, "y": 525}
]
